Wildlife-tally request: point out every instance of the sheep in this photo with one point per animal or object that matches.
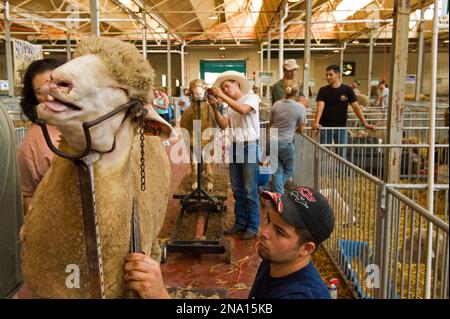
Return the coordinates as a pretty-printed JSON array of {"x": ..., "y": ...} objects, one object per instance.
[
  {"x": 363, "y": 100},
  {"x": 197, "y": 88},
  {"x": 104, "y": 74},
  {"x": 410, "y": 249},
  {"x": 340, "y": 206}
]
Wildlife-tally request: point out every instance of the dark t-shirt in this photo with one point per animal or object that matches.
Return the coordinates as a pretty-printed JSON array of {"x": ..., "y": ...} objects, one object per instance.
[
  {"x": 305, "y": 283},
  {"x": 336, "y": 104}
]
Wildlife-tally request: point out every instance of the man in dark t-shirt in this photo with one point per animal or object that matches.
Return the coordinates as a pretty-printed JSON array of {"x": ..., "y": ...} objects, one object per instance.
[
  {"x": 332, "y": 106},
  {"x": 297, "y": 223}
]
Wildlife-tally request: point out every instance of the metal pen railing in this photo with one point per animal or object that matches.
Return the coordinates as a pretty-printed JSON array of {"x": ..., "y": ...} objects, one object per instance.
[{"x": 379, "y": 228}]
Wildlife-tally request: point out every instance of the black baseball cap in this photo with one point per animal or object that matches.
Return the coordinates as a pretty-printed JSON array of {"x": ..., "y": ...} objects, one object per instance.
[{"x": 305, "y": 208}]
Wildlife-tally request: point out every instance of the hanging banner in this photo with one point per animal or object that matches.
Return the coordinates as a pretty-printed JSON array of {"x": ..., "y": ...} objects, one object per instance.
[{"x": 23, "y": 54}]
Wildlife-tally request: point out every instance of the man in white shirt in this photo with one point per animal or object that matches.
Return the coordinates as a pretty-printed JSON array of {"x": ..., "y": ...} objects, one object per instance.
[
  {"x": 242, "y": 116},
  {"x": 383, "y": 98},
  {"x": 184, "y": 102}
]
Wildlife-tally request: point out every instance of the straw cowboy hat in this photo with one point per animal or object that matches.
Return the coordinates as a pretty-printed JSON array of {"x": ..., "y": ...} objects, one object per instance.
[{"x": 235, "y": 76}]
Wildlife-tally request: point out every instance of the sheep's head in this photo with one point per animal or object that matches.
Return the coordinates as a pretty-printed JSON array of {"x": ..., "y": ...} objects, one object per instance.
[
  {"x": 105, "y": 74},
  {"x": 198, "y": 89}
]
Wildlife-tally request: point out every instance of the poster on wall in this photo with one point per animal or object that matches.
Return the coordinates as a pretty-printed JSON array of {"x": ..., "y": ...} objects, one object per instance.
[
  {"x": 349, "y": 68},
  {"x": 23, "y": 54},
  {"x": 265, "y": 78}
]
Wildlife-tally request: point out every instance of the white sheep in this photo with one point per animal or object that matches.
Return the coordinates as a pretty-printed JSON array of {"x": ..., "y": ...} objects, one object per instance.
[{"x": 106, "y": 73}]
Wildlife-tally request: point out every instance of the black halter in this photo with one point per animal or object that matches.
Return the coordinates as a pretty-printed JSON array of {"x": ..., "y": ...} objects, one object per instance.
[{"x": 134, "y": 106}]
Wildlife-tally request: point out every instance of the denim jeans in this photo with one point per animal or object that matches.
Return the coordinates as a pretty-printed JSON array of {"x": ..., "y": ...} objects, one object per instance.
[
  {"x": 339, "y": 136},
  {"x": 282, "y": 161},
  {"x": 244, "y": 183}
]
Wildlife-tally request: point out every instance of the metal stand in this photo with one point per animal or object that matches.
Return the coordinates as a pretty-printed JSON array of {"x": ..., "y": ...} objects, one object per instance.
[{"x": 206, "y": 206}]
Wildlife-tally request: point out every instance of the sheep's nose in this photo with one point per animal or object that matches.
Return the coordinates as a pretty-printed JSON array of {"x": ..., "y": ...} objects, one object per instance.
[{"x": 60, "y": 86}]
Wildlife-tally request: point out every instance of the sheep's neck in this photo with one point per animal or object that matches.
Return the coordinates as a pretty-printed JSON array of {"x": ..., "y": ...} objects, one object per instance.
[{"x": 121, "y": 153}]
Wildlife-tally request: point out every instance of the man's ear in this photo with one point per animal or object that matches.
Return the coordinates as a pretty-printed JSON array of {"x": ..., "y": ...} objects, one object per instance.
[
  {"x": 155, "y": 125},
  {"x": 307, "y": 249}
]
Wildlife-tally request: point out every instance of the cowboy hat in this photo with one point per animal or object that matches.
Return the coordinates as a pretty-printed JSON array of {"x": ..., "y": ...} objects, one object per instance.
[{"x": 234, "y": 76}]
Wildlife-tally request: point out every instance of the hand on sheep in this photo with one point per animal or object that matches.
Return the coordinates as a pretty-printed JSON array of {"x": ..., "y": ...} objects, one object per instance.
[
  {"x": 217, "y": 92},
  {"x": 214, "y": 102},
  {"x": 143, "y": 275}
]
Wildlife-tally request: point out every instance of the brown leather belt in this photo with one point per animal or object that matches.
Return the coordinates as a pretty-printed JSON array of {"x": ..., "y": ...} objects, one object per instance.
[{"x": 90, "y": 225}]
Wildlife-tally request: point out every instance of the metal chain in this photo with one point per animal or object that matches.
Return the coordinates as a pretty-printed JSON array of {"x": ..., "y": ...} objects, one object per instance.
[{"x": 142, "y": 138}]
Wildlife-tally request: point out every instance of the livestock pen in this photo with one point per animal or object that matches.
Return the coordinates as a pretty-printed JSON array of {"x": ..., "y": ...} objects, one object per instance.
[{"x": 385, "y": 243}]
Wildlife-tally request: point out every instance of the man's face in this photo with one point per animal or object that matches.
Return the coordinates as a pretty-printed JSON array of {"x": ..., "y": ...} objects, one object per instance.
[
  {"x": 230, "y": 88},
  {"x": 332, "y": 77},
  {"x": 289, "y": 74},
  {"x": 354, "y": 85},
  {"x": 381, "y": 86},
  {"x": 278, "y": 241}
]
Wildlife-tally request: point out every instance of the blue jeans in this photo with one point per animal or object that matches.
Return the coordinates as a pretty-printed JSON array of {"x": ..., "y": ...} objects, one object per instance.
[
  {"x": 243, "y": 176},
  {"x": 339, "y": 136},
  {"x": 283, "y": 160}
]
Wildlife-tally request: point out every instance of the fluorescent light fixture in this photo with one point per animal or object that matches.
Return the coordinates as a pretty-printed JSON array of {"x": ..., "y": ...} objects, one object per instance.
[
  {"x": 348, "y": 8},
  {"x": 445, "y": 41},
  {"x": 222, "y": 48},
  {"x": 177, "y": 43},
  {"x": 355, "y": 42},
  {"x": 265, "y": 43},
  {"x": 213, "y": 17},
  {"x": 293, "y": 1},
  {"x": 336, "y": 51},
  {"x": 160, "y": 30},
  {"x": 46, "y": 52}
]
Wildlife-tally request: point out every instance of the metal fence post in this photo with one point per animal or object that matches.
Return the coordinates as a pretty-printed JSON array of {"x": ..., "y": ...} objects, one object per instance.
[
  {"x": 385, "y": 246},
  {"x": 381, "y": 212},
  {"x": 316, "y": 176}
]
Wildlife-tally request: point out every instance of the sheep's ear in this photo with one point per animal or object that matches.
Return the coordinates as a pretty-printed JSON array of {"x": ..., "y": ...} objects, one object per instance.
[{"x": 155, "y": 125}]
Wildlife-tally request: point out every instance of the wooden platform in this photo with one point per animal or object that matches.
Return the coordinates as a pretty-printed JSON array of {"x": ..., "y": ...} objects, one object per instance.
[{"x": 219, "y": 191}]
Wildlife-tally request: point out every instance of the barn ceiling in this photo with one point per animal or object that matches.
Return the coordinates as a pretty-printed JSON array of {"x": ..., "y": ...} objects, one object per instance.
[{"x": 237, "y": 22}]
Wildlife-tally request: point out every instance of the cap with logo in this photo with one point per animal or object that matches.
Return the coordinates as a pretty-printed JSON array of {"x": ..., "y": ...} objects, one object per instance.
[{"x": 305, "y": 208}]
